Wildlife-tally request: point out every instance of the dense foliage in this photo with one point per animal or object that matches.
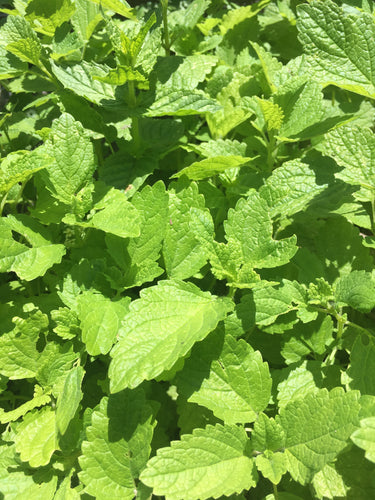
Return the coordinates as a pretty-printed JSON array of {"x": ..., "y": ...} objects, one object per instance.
[{"x": 187, "y": 198}]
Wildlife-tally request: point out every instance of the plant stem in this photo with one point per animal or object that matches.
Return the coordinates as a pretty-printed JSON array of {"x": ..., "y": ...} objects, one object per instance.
[
  {"x": 3, "y": 202},
  {"x": 6, "y": 132},
  {"x": 20, "y": 192},
  {"x": 271, "y": 146},
  {"x": 331, "y": 357},
  {"x": 340, "y": 326},
  {"x": 46, "y": 72},
  {"x": 275, "y": 492},
  {"x": 167, "y": 46},
  {"x": 83, "y": 51},
  {"x": 135, "y": 123}
]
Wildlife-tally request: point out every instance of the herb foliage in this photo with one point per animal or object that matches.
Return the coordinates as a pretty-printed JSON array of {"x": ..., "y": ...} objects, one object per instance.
[{"x": 187, "y": 234}]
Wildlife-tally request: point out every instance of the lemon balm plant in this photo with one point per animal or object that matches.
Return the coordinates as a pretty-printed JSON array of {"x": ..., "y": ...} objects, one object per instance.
[{"x": 187, "y": 195}]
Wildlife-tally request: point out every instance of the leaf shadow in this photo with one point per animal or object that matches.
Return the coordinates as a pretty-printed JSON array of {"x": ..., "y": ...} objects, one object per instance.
[
  {"x": 127, "y": 410},
  {"x": 198, "y": 366}
]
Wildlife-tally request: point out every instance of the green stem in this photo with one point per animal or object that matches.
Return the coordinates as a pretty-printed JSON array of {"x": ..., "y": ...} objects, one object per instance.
[
  {"x": 340, "y": 326},
  {"x": 333, "y": 97},
  {"x": 135, "y": 123},
  {"x": 45, "y": 77},
  {"x": 275, "y": 492},
  {"x": 3, "y": 202},
  {"x": 167, "y": 46},
  {"x": 331, "y": 358},
  {"x": 20, "y": 192},
  {"x": 46, "y": 72},
  {"x": 83, "y": 51},
  {"x": 131, "y": 94},
  {"x": 6, "y": 133},
  {"x": 271, "y": 146}
]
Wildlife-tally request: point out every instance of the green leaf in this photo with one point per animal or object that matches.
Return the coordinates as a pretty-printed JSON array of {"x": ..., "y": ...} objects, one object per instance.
[
  {"x": 298, "y": 382},
  {"x": 18, "y": 347},
  {"x": 357, "y": 290},
  {"x": 340, "y": 46},
  {"x": 45, "y": 17},
  {"x": 362, "y": 359},
  {"x": 303, "y": 339},
  {"x": 250, "y": 224},
  {"x": 220, "y": 147},
  {"x": 290, "y": 188},
  {"x": 272, "y": 465},
  {"x": 305, "y": 114},
  {"x": 138, "y": 41},
  {"x": 240, "y": 14},
  {"x": 317, "y": 428},
  {"x": 152, "y": 205},
  {"x": 79, "y": 79},
  {"x": 20, "y": 166},
  {"x": 201, "y": 465},
  {"x": 329, "y": 483},
  {"x": 176, "y": 102},
  {"x": 137, "y": 256},
  {"x": 337, "y": 247},
  {"x": 191, "y": 15},
  {"x": 227, "y": 260},
  {"x": 32, "y": 259},
  {"x": 365, "y": 437},
  {"x": 236, "y": 107},
  {"x": 55, "y": 361},
  {"x": 66, "y": 43},
  {"x": 270, "y": 65},
  {"x": 160, "y": 328},
  {"x": 270, "y": 302},
  {"x": 211, "y": 166},
  {"x": 21, "y": 484},
  {"x": 74, "y": 159},
  {"x": 67, "y": 322},
  {"x": 65, "y": 491},
  {"x": 10, "y": 65},
  {"x": 100, "y": 321},
  {"x": 69, "y": 398},
  {"x": 357, "y": 473},
  {"x": 36, "y": 437},
  {"x": 353, "y": 148},
  {"x": 18, "y": 38},
  {"x": 267, "y": 434},
  {"x": 117, "y": 445},
  {"x": 116, "y": 6},
  {"x": 227, "y": 377},
  {"x": 183, "y": 254},
  {"x": 112, "y": 214},
  {"x": 85, "y": 18},
  {"x": 272, "y": 113},
  {"x": 121, "y": 75},
  {"x": 39, "y": 399},
  {"x": 183, "y": 73}
]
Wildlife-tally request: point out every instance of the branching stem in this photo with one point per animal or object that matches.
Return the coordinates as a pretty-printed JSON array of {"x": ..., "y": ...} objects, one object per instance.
[{"x": 167, "y": 46}]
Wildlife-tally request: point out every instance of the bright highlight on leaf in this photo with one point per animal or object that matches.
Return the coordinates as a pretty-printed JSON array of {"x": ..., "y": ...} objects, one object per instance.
[
  {"x": 327, "y": 34},
  {"x": 201, "y": 465},
  {"x": 160, "y": 328}
]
